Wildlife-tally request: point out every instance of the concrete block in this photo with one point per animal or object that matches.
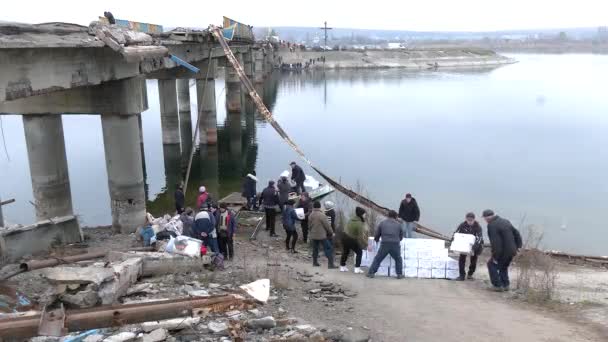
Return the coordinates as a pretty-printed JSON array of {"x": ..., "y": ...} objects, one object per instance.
[
  {"x": 78, "y": 275},
  {"x": 156, "y": 336},
  {"x": 156, "y": 263},
  {"x": 124, "y": 275},
  {"x": 171, "y": 324},
  {"x": 39, "y": 237},
  {"x": 122, "y": 337}
]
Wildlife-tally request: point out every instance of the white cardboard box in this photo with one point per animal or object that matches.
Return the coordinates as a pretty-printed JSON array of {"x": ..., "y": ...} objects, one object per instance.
[
  {"x": 439, "y": 264},
  {"x": 410, "y": 272},
  {"x": 425, "y": 254},
  {"x": 463, "y": 243},
  {"x": 410, "y": 254},
  {"x": 438, "y": 273},
  {"x": 425, "y": 263},
  {"x": 424, "y": 273},
  {"x": 413, "y": 263},
  {"x": 440, "y": 254},
  {"x": 411, "y": 243},
  {"x": 452, "y": 264},
  {"x": 452, "y": 274}
]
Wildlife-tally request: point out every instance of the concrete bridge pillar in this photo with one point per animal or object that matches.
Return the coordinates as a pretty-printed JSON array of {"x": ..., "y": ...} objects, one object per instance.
[
  {"x": 169, "y": 119},
  {"x": 233, "y": 87},
  {"x": 268, "y": 62},
  {"x": 125, "y": 174},
  {"x": 258, "y": 67},
  {"x": 205, "y": 94},
  {"x": 185, "y": 117},
  {"x": 48, "y": 165}
]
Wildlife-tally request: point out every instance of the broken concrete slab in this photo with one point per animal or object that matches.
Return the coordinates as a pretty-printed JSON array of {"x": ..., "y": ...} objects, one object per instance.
[
  {"x": 259, "y": 290},
  {"x": 171, "y": 324},
  {"x": 138, "y": 288},
  {"x": 198, "y": 293},
  {"x": 81, "y": 300},
  {"x": 93, "y": 338},
  {"x": 124, "y": 275},
  {"x": 78, "y": 275},
  {"x": 157, "y": 263},
  {"x": 157, "y": 335}
]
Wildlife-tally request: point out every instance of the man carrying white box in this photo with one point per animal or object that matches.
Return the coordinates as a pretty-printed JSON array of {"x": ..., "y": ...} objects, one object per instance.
[
  {"x": 390, "y": 232},
  {"x": 470, "y": 227}
]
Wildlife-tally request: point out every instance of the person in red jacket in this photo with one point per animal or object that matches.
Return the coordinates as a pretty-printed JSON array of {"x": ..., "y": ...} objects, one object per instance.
[{"x": 203, "y": 197}]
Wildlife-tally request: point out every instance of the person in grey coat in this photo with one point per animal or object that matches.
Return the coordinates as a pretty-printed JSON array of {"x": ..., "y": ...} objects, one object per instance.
[{"x": 391, "y": 233}]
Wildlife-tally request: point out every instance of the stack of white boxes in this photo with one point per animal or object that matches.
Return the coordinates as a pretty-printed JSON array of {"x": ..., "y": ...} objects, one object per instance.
[{"x": 422, "y": 258}]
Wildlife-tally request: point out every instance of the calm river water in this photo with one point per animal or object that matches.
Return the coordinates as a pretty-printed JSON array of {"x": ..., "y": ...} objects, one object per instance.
[{"x": 528, "y": 140}]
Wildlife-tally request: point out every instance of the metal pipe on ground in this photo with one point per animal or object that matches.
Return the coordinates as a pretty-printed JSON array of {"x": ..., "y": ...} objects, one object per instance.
[{"x": 118, "y": 315}]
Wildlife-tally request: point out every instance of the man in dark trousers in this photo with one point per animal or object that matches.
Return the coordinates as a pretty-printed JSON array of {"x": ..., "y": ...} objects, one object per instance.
[
  {"x": 391, "y": 233},
  {"x": 226, "y": 227},
  {"x": 180, "y": 199},
  {"x": 470, "y": 226},
  {"x": 250, "y": 190},
  {"x": 410, "y": 214},
  {"x": 306, "y": 204},
  {"x": 298, "y": 176},
  {"x": 270, "y": 200},
  {"x": 505, "y": 241}
]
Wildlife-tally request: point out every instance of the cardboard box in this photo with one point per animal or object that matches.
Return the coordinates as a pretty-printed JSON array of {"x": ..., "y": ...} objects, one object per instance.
[
  {"x": 439, "y": 264},
  {"x": 430, "y": 243},
  {"x": 410, "y": 243},
  {"x": 425, "y": 263},
  {"x": 440, "y": 254},
  {"x": 410, "y": 272},
  {"x": 425, "y": 254},
  {"x": 452, "y": 274},
  {"x": 438, "y": 273},
  {"x": 451, "y": 264},
  {"x": 410, "y": 254},
  {"x": 387, "y": 261},
  {"x": 424, "y": 272},
  {"x": 413, "y": 263},
  {"x": 463, "y": 243}
]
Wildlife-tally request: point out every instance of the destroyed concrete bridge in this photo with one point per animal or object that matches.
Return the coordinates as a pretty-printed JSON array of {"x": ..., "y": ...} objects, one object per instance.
[{"x": 55, "y": 69}]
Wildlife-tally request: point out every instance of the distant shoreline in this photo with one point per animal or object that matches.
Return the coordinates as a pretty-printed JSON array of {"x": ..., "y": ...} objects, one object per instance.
[{"x": 417, "y": 59}]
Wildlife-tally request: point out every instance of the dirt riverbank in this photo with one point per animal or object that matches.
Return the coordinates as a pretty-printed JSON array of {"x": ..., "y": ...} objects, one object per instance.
[{"x": 417, "y": 59}]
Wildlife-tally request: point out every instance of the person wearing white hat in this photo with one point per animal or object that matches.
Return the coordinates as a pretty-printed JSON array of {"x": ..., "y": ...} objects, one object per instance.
[{"x": 203, "y": 197}]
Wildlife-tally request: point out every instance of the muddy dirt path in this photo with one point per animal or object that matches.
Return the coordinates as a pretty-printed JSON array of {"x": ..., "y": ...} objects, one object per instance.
[{"x": 433, "y": 310}]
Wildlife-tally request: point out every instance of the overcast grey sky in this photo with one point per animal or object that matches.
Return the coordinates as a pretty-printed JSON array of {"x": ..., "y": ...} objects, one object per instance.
[{"x": 436, "y": 15}]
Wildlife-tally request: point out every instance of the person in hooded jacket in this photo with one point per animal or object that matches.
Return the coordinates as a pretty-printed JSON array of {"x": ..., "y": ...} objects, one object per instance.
[
  {"x": 409, "y": 212},
  {"x": 203, "y": 197},
  {"x": 284, "y": 187},
  {"x": 505, "y": 241},
  {"x": 354, "y": 238},
  {"x": 320, "y": 233},
  {"x": 270, "y": 200},
  {"x": 180, "y": 199},
  {"x": 187, "y": 218},
  {"x": 250, "y": 191},
  {"x": 470, "y": 226},
  {"x": 289, "y": 220}
]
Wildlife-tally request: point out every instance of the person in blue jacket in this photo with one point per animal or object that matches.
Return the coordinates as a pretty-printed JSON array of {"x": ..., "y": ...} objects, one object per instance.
[
  {"x": 203, "y": 228},
  {"x": 289, "y": 224}
]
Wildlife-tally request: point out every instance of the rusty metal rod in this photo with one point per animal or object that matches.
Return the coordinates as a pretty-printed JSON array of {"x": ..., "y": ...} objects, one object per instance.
[{"x": 118, "y": 315}]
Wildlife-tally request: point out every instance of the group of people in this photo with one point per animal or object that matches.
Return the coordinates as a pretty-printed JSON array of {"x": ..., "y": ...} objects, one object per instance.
[
  {"x": 216, "y": 227},
  {"x": 213, "y": 224}
]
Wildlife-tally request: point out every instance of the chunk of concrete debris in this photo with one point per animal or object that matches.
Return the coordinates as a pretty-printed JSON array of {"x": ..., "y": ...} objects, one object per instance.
[
  {"x": 170, "y": 324},
  {"x": 256, "y": 312},
  {"x": 78, "y": 275},
  {"x": 286, "y": 321},
  {"x": 315, "y": 291},
  {"x": 262, "y": 323},
  {"x": 234, "y": 314},
  {"x": 335, "y": 298},
  {"x": 157, "y": 335},
  {"x": 218, "y": 328},
  {"x": 138, "y": 288},
  {"x": 259, "y": 290},
  {"x": 122, "y": 337},
  {"x": 355, "y": 335},
  {"x": 93, "y": 338},
  {"x": 124, "y": 275},
  {"x": 306, "y": 329},
  {"x": 81, "y": 300},
  {"x": 198, "y": 293},
  {"x": 214, "y": 286}
]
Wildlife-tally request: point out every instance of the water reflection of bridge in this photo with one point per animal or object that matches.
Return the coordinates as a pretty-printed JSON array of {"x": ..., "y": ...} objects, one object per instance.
[{"x": 219, "y": 167}]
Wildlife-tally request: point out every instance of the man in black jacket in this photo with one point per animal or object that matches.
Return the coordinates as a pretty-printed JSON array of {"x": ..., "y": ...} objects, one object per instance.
[
  {"x": 505, "y": 241},
  {"x": 472, "y": 227},
  {"x": 298, "y": 176},
  {"x": 180, "y": 200},
  {"x": 270, "y": 200},
  {"x": 410, "y": 214}
]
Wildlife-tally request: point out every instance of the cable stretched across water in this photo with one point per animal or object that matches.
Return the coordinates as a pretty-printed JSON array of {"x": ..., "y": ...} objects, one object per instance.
[{"x": 217, "y": 32}]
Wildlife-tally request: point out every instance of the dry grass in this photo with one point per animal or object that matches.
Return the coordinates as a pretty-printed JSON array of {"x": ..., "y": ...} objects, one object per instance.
[{"x": 536, "y": 271}]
